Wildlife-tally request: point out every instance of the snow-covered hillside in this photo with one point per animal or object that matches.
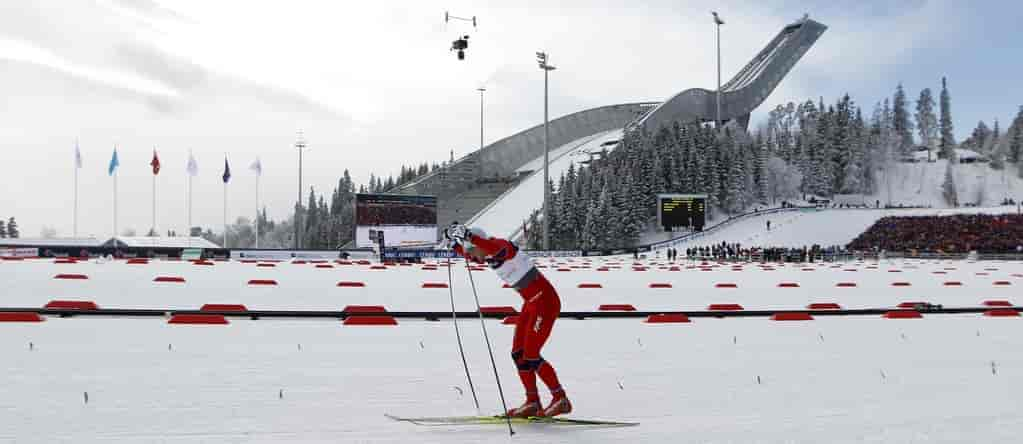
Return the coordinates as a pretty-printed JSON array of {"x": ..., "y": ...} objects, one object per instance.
[
  {"x": 505, "y": 215},
  {"x": 919, "y": 184}
]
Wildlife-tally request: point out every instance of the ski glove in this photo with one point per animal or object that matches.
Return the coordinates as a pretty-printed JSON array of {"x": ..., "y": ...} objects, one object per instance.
[{"x": 457, "y": 232}]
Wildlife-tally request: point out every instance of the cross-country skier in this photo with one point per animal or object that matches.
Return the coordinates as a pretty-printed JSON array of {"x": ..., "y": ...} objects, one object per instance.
[{"x": 540, "y": 308}]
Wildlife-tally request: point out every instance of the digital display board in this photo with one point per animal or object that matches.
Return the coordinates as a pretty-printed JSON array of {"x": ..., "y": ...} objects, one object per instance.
[
  {"x": 681, "y": 211},
  {"x": 404, "y": 220}
]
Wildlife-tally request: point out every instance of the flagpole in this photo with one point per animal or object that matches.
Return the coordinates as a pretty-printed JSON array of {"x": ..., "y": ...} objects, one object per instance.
[
  {"x": 188, "y": 229},
  {"x": 75, "y": 221},
  {"x": 115, "y": 202},
  {"x": 257, "y": 211},
  {"x": 154, "y": 206},
  {"x": 225, "y": 214}
]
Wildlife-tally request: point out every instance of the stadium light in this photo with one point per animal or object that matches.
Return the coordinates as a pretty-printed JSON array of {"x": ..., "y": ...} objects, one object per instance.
[
  {"x": 300, "y": 144},
  {"x": 541, "y": 60},
  {"x": 718, "y": 22}
]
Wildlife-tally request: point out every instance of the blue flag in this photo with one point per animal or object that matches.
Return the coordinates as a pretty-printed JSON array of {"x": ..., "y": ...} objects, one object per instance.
[
  {"x": 114, "y": 163},
  {"x": 227, "y": 171}
]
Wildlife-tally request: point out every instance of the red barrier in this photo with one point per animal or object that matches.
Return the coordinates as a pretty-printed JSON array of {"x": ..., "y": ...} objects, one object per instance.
[
  {"x": 724, "y": 307},
  {"x": 503, "y": 309},
  {"x": 370, "y": 320},
  {"x": 435, "y": 285},
  {"x": 138, "y": 261},
  {"x": 638, "y": 268},
  {"x": 788, "y": 285},
  {"x": 1002, "y": 312},
  {"x": 903, "y": 315},
  {"x": 350, "y": 284},
  {"x": 175, "y": 279},
  {"x": 71, "y": 276},
  {"x": 660, "y": 285},
  {"x": 845, "y": 284},
  {"x": 262, "y": 282},
  {"x": 266, "y": 265},
  {"x": 725, "y": 285},
  {"x": 616, "y": 307},
  {"x": 667, "y": 318},
  {"x": 65, "y": 261},
  {"x": 590, "y": 285},
  {"x": 299, "y": 262},
  {"x": 365, "y": 309},
  {"x": 202, "y": 262},
  {"x": 223, "y": 307},
  {"x": 953, "y": 284},
  {"x": 20, "y": 317},
  {"x": 71, "y": 305},
  {"x": 324, "y": 266},
  {"x": 824, "y": 306},
  {"x": 378, "y": 267},
  {"x": 991, "y": 303},
  {"x": 791, "y": 317},
  {"x": 603, "y": 269},
  {"x": 198, "y": 319}
]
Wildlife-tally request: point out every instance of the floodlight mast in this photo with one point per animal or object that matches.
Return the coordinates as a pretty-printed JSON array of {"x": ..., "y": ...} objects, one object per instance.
[{"x": 541, "y": 60}]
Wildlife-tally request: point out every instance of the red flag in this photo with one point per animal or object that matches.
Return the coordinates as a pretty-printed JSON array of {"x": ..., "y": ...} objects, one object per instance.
[{"x": 155, "y": 163}]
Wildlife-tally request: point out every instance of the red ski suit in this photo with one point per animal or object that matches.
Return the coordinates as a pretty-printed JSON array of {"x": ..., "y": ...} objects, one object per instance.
[{"x": 540, "y": 308}]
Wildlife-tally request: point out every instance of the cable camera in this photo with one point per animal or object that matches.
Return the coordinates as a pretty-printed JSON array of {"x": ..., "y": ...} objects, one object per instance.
[{"x": 460, "y": 45}]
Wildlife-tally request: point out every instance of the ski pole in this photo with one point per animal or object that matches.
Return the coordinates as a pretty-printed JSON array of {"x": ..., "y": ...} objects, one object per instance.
[
  {"x": 458, "y": 337},
  {"x": 490, "y": 350}
]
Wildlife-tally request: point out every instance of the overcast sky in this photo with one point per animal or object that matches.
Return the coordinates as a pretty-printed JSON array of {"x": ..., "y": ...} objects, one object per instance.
[{"x": 372, "y": 85}]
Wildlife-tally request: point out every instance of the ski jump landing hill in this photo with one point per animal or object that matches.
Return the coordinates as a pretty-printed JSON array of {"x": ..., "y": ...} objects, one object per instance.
[{"x": 481, "y": 185}]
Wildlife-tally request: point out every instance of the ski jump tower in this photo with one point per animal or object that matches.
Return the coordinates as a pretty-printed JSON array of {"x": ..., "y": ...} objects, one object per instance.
[
  {"x": 469, "y": 184},
  {"x": 748, "y": 89}
]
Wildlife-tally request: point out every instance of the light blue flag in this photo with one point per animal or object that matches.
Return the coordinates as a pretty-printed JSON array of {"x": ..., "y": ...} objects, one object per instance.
[{"x": 114, "y": 163}]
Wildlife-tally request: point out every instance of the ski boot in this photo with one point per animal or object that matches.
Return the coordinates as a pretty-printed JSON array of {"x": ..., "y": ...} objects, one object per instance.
[
  {"x": 559, "y": 406},
  {"x": 526, "y": 410}
]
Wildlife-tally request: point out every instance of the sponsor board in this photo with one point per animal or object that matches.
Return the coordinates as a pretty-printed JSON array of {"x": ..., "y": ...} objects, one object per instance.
[
  {"x": 18, "y": 252},
  {"x": 283, "y": 255}
]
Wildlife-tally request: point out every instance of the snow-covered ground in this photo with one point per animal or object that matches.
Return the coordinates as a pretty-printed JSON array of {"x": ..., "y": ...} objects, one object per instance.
[
  {"x": 944, "y": 378},
  {"x": 505, "y": 215}
]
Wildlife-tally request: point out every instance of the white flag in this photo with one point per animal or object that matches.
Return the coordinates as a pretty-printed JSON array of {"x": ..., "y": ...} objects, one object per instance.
[
  {"x": 193, "y": 166},
  {"x": 78, "y": 156},
  {"x": 257, "y": 167}
]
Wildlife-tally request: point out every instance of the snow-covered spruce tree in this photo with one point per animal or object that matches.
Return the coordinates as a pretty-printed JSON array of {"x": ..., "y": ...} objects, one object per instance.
[
  {"x": 1016, "y": 137},
  {"x": 901, "y": 124},
  {"x": 948, "y": 187},
  {"x": 926, "y": 121},
  {"x": 947, "y": 143}
]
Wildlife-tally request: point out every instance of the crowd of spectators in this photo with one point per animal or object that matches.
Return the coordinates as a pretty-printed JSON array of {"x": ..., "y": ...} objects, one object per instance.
[
  {"x": 959, "y": 233},
  {"x": 737, "y": 252}
]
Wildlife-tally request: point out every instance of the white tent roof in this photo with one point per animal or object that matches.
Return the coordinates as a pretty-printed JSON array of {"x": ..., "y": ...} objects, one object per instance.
[
  {"x": 161, "y": 242},
  {"x": 51, "y": 242}
]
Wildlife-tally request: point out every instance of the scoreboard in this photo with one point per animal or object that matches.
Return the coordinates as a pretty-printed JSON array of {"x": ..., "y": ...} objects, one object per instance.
[{"x": 681, "y": 210}]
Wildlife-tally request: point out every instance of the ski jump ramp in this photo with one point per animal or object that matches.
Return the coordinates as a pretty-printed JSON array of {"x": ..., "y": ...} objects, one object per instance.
[{"x": 505, "y": 159}]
